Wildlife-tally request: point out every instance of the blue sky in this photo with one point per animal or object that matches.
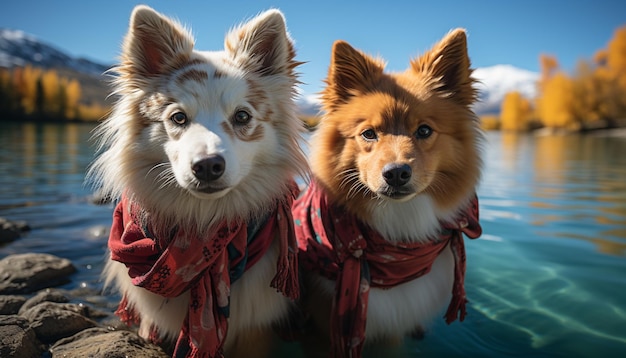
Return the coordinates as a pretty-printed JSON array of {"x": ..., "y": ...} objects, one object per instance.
[{"x": 499, "y": 32}]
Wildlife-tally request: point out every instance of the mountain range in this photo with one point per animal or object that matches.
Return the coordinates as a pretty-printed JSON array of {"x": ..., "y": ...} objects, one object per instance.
[
  {"x": 19, "y": 49},
  {"x": 493, "y": 83}
]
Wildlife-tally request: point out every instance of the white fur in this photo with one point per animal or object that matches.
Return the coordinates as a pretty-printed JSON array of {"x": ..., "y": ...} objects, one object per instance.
[
  {"x": 145, "y": 154},
  {"x": 400, "y": 310},
  {"x": 253, "y": 302},
  {"x": 415, "y": 220}
]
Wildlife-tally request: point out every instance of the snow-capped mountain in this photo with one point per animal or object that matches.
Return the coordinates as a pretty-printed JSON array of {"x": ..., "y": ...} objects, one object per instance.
[
  {"x": 19, "y": 49},
  {"x": 496, "y": 81},
  {"x": 309, "y": 105}
]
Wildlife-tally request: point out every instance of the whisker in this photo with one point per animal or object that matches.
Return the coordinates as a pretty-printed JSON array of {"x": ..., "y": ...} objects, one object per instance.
[
  {"x": 154, "y": 167},
  {"x": 165, "y": 177}
]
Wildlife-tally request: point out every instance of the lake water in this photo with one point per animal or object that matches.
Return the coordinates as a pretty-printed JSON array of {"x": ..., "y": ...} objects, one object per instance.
[{"x": 547, "y": 278}]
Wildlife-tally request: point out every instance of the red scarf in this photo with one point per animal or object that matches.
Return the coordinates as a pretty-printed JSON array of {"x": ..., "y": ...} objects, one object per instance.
[
  {"x": 337, "y": 245},
  {"x": 204, "y": 267}
]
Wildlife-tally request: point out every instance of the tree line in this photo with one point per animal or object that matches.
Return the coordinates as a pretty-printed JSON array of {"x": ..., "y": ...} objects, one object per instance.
[
  {"x": 594, "y": 96},
  {"x": 36, "y": 94}
]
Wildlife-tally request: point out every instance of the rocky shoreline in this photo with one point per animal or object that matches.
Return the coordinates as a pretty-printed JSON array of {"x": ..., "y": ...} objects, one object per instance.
[{"x": 39, "y": 320}]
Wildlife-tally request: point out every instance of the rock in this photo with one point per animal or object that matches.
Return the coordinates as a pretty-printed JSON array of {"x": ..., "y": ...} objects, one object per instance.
[
  {"x": 25, "y": 273},
  {"x": 99, "y": 342},
  {"x": 52, "y": 321},
  {"x": 17, "y": 339},
  {"x": 47, "y": 295},
  {"x": 11, "y": 230},
  {"x": 10, "y": 304}
]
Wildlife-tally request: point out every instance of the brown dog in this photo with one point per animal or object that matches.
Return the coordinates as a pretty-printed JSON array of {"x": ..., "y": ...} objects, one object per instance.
[{"x": 395, "y": 161}]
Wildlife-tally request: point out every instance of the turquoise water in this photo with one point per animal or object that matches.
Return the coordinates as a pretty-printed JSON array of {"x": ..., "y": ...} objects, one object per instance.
[{"x": 547, "y": 278}]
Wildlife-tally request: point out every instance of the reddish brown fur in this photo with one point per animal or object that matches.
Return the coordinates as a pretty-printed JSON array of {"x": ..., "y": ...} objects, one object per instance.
[
  {"x": 436, "y": 90},
  {"x": 257, "y": 96}
]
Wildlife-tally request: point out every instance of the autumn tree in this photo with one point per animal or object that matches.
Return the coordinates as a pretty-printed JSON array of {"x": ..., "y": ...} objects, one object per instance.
[
  {"x": 590, "y": 91},
  {"x": 52, "y": 91},
  {"x": 616, "y": 52},
  {"x": 616, "y": 71},
  {"x": 29, "y": 92},
  {"x": 556, "y": 99},
  {"x": 73, "y": 93},
  {"x": 27, "y": 82},
  {"x": 9, "y": 101},
  {"x": 515, "y": 112},
  {"x": 40, "y": 98},
  {"x": 555, "y": 106},
  {"x": 549, "y": 65}
]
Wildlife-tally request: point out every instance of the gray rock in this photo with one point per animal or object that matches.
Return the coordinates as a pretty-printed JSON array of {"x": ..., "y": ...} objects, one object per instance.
[
  {"x": 10, "y": 304},
  {"x": 99, "y": 342},
  {"x": 17, "y": 339},
  {"x": 11, "y": 230},
  {"x": 52, "y": 321},
  {"x": 47, "y": 295},
  {"x": 25, "y": 273}
]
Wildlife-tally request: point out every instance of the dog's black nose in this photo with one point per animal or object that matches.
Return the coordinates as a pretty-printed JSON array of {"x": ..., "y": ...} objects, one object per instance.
[
  {"x": 209, "y": 168},
  {"x": 397, "y": 174}
]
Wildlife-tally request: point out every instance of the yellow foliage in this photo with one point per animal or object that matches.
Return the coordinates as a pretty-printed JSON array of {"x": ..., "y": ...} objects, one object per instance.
[
  {"x": 515, "y": 112},
  {"x": 51, "y": 84},
  {"x": 591, "y": 90},
  {"x": 599, "y": 58},
  {"x": 593, "y": 97},
  {"x": 73, "y": 91},
  {"x": 557, "y": 101},
  {"x": 490, "y": 122},
  {"x": 93, "y": 112},
  {"x": 25, "y": 80},
  {"x": 616, "y": 54},
  {"x": 34, "y": 93},
  {"x": 549, "y": 65}
]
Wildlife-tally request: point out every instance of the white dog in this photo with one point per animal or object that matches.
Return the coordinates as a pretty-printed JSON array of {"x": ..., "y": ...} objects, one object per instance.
[{"x": 201, "y": 149}]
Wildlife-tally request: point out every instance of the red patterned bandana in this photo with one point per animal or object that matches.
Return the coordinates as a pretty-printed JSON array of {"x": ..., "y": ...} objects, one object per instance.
[
  {"x": 205, "y": 267},
  {"x": 337, "y": 245}
]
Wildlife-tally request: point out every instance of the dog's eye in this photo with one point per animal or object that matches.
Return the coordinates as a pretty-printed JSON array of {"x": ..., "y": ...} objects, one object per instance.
[
  {"x": 179, "y": 118},
  {"x": 423, "y": 132},
  {"x": 369, "y": 135},
  {"x": 242, "y": 117}
]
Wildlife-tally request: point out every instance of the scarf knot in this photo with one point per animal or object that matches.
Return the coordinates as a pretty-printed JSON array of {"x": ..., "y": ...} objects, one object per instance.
[
  {"x": 206, "y": 267},
  {"x": 338, "y": 246}
]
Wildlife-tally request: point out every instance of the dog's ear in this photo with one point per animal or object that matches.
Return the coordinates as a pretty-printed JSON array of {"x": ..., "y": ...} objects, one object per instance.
[
  {"x": 262, "y": 45},
  {"x": 350, "y": 72},
  {"x": 154, "y": 44},
  {"x": 448, "y": 65}
]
